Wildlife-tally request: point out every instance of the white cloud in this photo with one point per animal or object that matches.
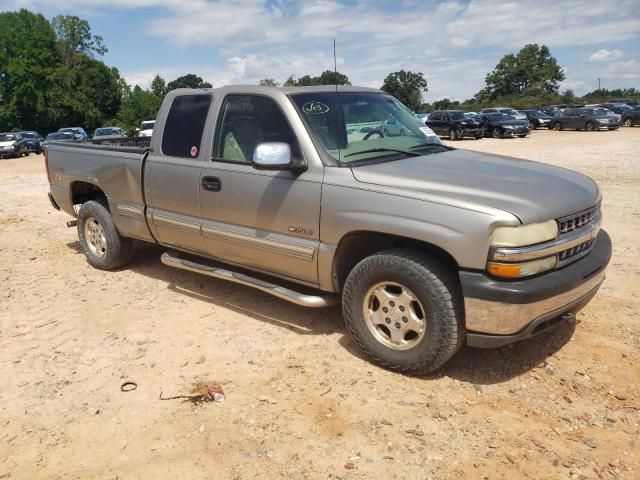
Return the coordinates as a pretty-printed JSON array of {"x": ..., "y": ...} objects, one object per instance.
[
  {"x": 454, "y": 43},
  {"x": 605, "y": 55}
]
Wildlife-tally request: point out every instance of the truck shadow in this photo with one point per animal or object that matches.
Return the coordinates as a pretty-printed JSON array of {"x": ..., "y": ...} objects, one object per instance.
[
  {"x": 469, "y": 365},
  {"x": 240, "y": 299}
]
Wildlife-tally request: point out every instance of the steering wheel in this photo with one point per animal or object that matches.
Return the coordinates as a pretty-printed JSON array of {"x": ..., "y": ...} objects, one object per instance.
[{"x": 375, "y": 131}]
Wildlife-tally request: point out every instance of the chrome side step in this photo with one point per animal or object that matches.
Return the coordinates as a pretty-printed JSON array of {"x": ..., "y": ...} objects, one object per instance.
[{"x": 275, "y": 290}]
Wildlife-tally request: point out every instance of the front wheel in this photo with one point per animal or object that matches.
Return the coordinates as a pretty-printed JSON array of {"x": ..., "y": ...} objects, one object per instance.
[
  {"x": 628, "y": 122},
  {"x": 496, "y": 133},
  {"x": 405, "y": 310},
  {"x": 557, "y": 126},
  {"x": 453, "y": 134},
  {"x": 589, "y": 127},
  {"x": 103, "y": 246}
]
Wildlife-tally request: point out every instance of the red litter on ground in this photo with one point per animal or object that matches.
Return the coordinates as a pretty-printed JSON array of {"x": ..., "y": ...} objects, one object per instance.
[{"x": 216, "y": 393}]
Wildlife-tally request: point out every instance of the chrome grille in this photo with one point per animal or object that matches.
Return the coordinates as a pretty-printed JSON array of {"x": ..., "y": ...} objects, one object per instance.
[
  {"x": 569, "y": 253},
  {"x": 573, "y": 222}
]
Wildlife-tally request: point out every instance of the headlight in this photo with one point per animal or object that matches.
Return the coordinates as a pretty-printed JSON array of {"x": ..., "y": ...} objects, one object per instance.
[
  {"x": 523, "y": 269},
  {"x": 524, "y": 235},
  {"x": 604, "y": 120},
  {"x": 507, "y": 126}
]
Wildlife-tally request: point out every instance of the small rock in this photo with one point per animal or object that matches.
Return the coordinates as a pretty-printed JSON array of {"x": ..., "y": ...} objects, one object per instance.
[
  {"x": 349, "y": 465},
  {"x": 417, "y": 433},
  {"x": 591, "y": 442},
  {"x": 620, "y": 396},
  {"x": 201, "y": 428},
  {"x": 611, "y": 419},
  {"x": 549, "y": 370},
  {"x": 201, "y": 360},
  {"x": 261, "y": 451}
]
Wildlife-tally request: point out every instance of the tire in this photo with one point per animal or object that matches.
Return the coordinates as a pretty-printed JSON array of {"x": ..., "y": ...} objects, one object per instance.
[
  {"x": 557, "y": 126},
  {"x": 402, "y": 133},
  {"x": 103, "y": 246},
  {"x": 437, "y": 298},
  {"x": 496, "y": 133},
  {"x": 453, "y": 134},
  {"x": 522, "y": 136},
  {"x": 589, "y": 127},
  {"x": 478, "y": 136},
  {"x": 385, "y": 132},
  {"x": 628, "y": 122}
]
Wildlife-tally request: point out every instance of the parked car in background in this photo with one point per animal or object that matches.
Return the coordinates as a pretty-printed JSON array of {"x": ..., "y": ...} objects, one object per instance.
[
  {"x": 631, "y": 117},
  {"x": 392, "y": 127},
  {"x": 506, "y": 110},
  {"x": 501, "y": 125},
  {"x": 13, "y": 145},
  {"x": 34, "y": 141},
  {"x": 454, "y": 124},
  {"x": 77, "y": 132},
  {"x": 106, "y": 133},
  {"x": 60, "y": 137},
  {"x": 422, "y": 117},
  {"x": 146, "y": 128},
  {"x": 627, "y": 101},
  {"x": 537, "y": 118},
  {"x": 551, "y": 111},
  {"x": 585, "y": 118}
]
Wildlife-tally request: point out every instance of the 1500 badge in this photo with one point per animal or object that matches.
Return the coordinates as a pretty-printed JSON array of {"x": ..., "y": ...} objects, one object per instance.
[{"x": 301, "y": 231}]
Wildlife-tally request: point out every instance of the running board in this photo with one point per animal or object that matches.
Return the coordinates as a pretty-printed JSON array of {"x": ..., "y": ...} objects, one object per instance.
[{"x": 275, "y": 290}]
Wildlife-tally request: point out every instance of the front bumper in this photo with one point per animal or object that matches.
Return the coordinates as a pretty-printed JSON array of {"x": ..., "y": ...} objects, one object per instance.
[
  {"x": 501, "y": 312},
  {"x": 472, "y": 131},
  {"x": 510, "y": 132}
]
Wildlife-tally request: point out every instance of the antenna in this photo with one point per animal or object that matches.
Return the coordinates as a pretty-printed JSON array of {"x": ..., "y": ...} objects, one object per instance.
[{"x": 335, "y": 64}]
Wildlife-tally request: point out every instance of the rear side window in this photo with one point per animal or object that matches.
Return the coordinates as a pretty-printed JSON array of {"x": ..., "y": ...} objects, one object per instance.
[
  {"x": 434, "y": 116},
  {"x": 182, "y": 134}
]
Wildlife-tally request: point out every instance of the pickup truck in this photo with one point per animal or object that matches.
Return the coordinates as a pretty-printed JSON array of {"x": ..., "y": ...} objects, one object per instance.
[{"x": 299, "y": 193}]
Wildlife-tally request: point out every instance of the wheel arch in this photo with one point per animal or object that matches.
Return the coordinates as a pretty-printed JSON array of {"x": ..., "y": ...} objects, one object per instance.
[
  {"x": 82, "y": 191},
  {"x": 357, "y": 245}
]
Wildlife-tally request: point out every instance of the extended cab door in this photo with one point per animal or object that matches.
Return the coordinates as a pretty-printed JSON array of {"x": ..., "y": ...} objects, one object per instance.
[
  {"x": 267, "y": 220},
  {"x": 172, "y": 173}
]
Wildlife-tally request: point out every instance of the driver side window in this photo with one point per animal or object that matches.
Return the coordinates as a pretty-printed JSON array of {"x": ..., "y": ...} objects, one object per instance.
[{"x": 246, "y": 121}]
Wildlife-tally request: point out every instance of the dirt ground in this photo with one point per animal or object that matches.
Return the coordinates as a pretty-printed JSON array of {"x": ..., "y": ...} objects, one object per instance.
[{"x": 301, "y": 400}]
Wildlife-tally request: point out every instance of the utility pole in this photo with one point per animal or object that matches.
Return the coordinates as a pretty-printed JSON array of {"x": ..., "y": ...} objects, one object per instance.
[{"x": 598, "y": 84}]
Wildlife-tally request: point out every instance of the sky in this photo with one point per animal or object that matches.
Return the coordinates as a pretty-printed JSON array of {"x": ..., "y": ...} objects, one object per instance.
[{"x": 453, "y": 43}]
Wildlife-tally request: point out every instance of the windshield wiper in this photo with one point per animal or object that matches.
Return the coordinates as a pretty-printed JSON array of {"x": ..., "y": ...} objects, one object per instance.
[
  {"x": 430, "y": 145},
  {"x": 380, "y": 149}
]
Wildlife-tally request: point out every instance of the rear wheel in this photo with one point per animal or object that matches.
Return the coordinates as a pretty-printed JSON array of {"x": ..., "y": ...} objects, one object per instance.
[
  {"x": 103, "y": 246},
  {"x": 454, "y": 134},
  {"x": 405, "y": 310},
  {"x": 589, "y": 127},
  {"x": 496, "y": 133},
  {"x": 557, "y": 126},
  {"x": 628, "y": 122},
  {"x": 478, "y": 136}
]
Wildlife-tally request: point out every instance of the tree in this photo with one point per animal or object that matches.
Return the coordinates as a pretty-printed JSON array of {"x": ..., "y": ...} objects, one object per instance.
[
  {"x": 137, "y": 105},
  {"x": 407, "y": 87},
  {"x": 328, "y": 77},
  {"x": 188, "y": 81},
  {"x": 74, "y": 37},
  {"x": 445, "y": 104},
  {"x": 158, "y": 86},
  {"x": 28, "y": 58},
  {"x": 532, "y": 71},
  {"x": 268, "y": 82}
]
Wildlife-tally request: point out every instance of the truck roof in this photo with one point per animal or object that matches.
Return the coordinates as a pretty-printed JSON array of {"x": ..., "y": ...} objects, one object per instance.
[{"x": 287, "y": 90}]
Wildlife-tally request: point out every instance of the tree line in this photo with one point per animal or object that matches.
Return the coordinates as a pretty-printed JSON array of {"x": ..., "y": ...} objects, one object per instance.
[{"x": 52, "y": 75}]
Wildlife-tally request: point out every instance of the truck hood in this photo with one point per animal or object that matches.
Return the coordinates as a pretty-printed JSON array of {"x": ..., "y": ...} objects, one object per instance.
[{"x": 531, "y": 191}]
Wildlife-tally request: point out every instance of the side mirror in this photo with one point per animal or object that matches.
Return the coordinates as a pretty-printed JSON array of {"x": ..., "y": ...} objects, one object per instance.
[
  {"x": 137, "y": 129},
  {"x": 275, "y": 156}
]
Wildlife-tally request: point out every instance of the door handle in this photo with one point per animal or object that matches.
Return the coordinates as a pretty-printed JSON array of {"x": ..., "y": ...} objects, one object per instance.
[{"x": 211, "y": 183}]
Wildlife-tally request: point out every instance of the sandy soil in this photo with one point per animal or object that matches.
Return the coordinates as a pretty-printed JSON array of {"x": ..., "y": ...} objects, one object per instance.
[{"x": 301, "y": 400}]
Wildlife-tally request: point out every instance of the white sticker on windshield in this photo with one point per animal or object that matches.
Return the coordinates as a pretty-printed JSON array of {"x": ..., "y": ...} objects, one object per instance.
[
  {"x": 315, "y": 108},
  {"x": 427, "y": 131}
]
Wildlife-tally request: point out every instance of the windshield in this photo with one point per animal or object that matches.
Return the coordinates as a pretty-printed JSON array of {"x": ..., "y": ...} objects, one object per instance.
[
  {"x": 28, "y": 134},
  {"x": 60, "y": 136},
  {"x": 147, "y": 125},
  {"x": 7, "y": 137},
  {"x": 361, "y": 126},
  {"x": 600, "y": 112},
  {"x": 499, "y": 116},
  {"x": 106, "y": 131},
  {"x": 509, "y": 111}
]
